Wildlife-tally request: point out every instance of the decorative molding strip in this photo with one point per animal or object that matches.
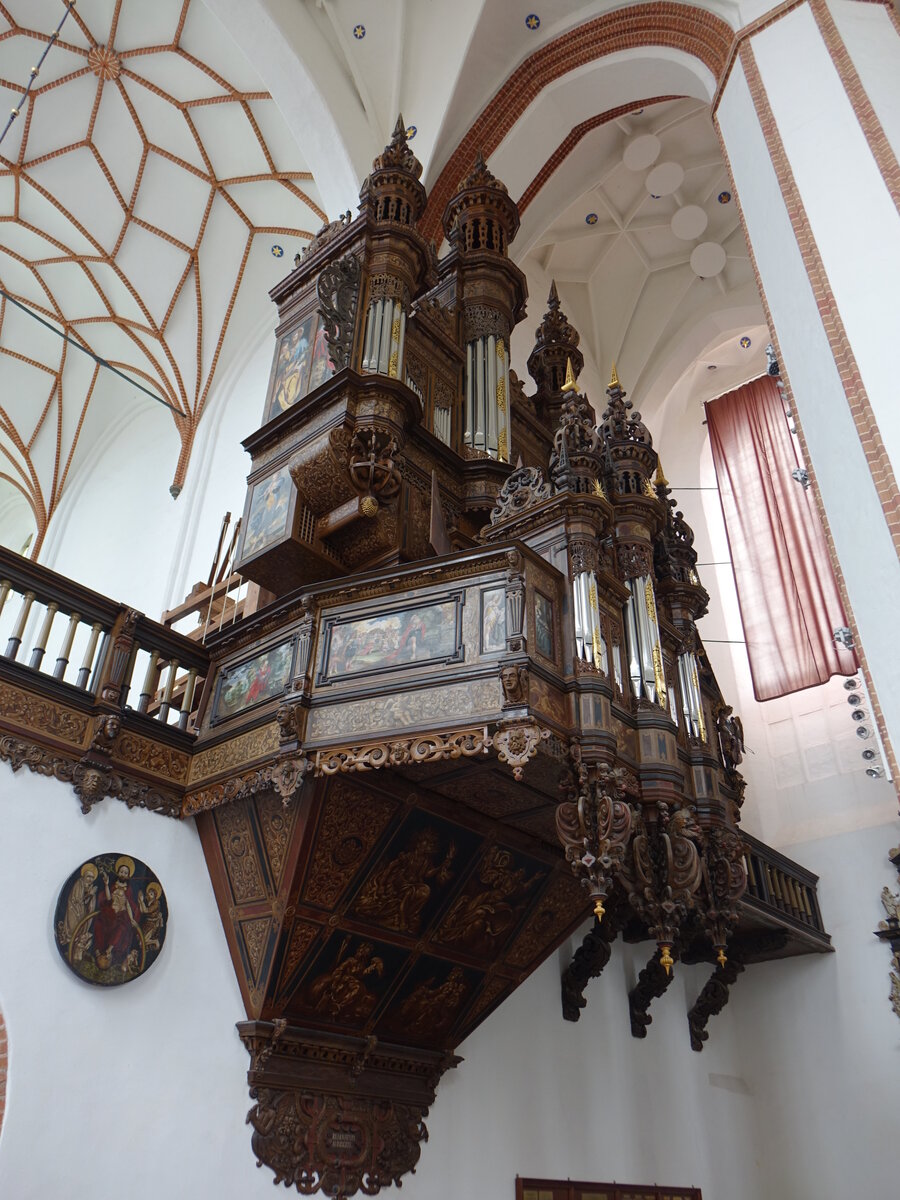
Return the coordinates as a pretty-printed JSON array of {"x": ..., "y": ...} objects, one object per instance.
[{"x": 426, "y": 747}]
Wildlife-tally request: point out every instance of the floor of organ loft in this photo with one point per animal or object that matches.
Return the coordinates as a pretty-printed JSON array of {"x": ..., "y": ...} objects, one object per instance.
[{"x": 468, "y": 707}]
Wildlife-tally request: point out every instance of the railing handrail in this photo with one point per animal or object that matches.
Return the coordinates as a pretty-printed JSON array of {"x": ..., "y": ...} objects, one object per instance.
[{"x": 24, "y": 575}]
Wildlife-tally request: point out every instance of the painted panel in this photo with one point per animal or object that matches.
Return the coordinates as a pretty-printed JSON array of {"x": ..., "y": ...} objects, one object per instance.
[
  {"x": 249, "y": 683},
  {"x": 363, "y": 645},
  {"x": 267, "y": 518},
  {"x": 493, "y": 620}
]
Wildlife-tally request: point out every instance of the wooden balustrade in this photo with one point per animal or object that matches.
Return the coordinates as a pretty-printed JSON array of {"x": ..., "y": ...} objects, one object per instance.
[
  {"x": 776, "y": 882},
  {"x": 83, "y": 641}
]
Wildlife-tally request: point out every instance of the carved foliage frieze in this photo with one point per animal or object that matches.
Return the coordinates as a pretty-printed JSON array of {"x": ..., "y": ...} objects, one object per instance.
[
  {"x": 31, "y": 712},
  {"x": 429, "y": 747}
]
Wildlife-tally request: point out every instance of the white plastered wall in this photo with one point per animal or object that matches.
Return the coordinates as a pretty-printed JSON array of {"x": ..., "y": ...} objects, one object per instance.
[{"x": 856, "y": 518}]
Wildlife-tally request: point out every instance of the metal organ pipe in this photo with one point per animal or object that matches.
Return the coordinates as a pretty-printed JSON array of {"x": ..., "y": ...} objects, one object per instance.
[
  {"x": 487, "y": 396},
  {"x": 645, "y": 651}
]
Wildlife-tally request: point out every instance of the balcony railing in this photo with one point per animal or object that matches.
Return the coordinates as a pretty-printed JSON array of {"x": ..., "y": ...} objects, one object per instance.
[{"x": 778, "y": 886}]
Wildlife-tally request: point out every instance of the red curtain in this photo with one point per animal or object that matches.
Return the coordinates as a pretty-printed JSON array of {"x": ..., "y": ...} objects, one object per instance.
[{"x": 789, "y": 601}]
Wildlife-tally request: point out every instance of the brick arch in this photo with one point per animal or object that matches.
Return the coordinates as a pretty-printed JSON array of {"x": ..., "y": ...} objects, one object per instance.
[{"x": 677, "y": 26}]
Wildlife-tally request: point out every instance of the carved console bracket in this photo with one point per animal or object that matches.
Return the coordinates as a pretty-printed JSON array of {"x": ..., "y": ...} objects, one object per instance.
[
  {"x": 712, "y": 1000},
  {"x": 517, "y": 741},
  {"x": 652, "y": 983},
  {"x": 337, "y": 1114},
  {"x": 587, "y": 963}
]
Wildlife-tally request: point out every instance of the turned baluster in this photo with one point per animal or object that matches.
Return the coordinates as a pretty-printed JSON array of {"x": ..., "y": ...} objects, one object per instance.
[
  {"x": 15, "y": 640},
  {"x": 40, "y": 647},
  {"x": 84, "y": 671},
  {"x": 163, "y": 714},
  {"x": 150, "y": 681},
  {"x": 59, "y": 671},
  {"x": 187, "y": 700}
]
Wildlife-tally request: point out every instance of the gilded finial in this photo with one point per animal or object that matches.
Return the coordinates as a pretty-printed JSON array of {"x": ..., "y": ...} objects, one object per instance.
[
  {"x": 598, "y": 489},
  {"x": 666, "y": 961},
  {"x": 661, "y": 480},
  {"x": 570, "y": 385},
  {"x": 721, "y": 957},
  {"x": 614, "y": 378},
  {"x": 599, "y": 910}
]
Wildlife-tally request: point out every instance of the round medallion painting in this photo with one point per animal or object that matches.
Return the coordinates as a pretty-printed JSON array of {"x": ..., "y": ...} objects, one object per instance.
[{"x": 110, "y": 921}]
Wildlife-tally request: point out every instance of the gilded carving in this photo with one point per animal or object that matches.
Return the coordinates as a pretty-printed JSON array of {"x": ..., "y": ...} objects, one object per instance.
[
  {"x": 276, "y": 824},
  {"x": 395, "y": 895},
  {"x": 352, "y": 821},
  {"x": 24, "y": 708},
  {"x": 482, "y": 915},
  {"x": 152, "y": 756},
  {"x": 404, "y": 709},
  {"x": 343, "y": 993},
  {"x": 255, "y": 933},
  {"x": 559, "y": 906},
  {"x": 239, "y": 852},
  {"x": 432, "y": 1008},
  {"x": 302, "y": 936},
  {"x": 429, "y": 747},
  {"x": 517, "y": 741},
  {"x": 238, "y": 787},
  {"x": 236, "y": 752}
]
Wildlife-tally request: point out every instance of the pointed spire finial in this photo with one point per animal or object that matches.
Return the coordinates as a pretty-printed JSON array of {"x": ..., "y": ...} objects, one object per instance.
[
  {"x": 614, "y": 378},
  {"x": 661, "y": 480},
  {"x": 570, "y": 385},
  {"x": 400, "y": 127},
  {"x": 553, "y": 298}
]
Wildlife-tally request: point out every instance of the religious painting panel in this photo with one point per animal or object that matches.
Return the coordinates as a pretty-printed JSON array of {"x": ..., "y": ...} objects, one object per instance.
[
  {"x": 426, "y": 633},
  {"x": 414, "y": 877},
  {"x": 302, "y": 363},
  {"x": 244, "y": 685},
  {"x": 268, "y": 513},
  {"x": 347, "y": 980},
  {"x": 544, "y": 626},
  {"x": 493, "y": 620},
  {"x": 110, "y": 920},
  {"x": 428, "y": 1001},
  {"x": 484, "y": 916}
]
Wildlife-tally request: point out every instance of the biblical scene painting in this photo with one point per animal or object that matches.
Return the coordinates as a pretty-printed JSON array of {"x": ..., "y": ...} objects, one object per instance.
[
  {"x": 259, "y": 678},
  {"x": 393, "y": 639},
  {"x": 426, "y": 860},
  {"x": 301, "y": 364},
  {"x": 111, "y": 919},
  {"x": 430, "y": 1000},
  {"x": 485, "y": 914},
  {"x": 493, "y": 620},
  {"x": 349, "y": 978},
  {"x": 543, "y": 625},
  {"x": 270, "y": 503}
]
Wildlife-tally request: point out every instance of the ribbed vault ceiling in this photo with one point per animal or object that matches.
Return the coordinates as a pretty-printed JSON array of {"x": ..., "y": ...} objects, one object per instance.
[{"x": 145, "y": 162}]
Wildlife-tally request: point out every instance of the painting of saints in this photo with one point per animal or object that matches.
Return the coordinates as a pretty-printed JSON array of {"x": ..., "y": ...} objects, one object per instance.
[
  {"x": 81, "y": 901},
  {"x": 493, "y": 620},
  {"x": 322, "y": 366},
  {"x": 292, "y": 360},
  {"x": 268, "y": 513},
  {"x": 110, "y": 919},
  {"x": 543, "y": 625}
]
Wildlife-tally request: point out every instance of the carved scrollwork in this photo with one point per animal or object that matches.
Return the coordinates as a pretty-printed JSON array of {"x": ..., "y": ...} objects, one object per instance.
[
  {"x": 427, "y": 747},
  {"x": 587, "y": 963},
  {"x": 480, "y": 320},
  {"x": 327, "y": 233},
  {"x": 517, "y": 741},
  {"x": 373, "y": 471},
  {"x": 239, "y": 787},
  {"x": 725, "y": 882},
  {"x": 287, "y": 776},
  {"x": 338, "y": 291},
  {"x": 525, "y": 487},
  {"x": 594, "y": 824},
  {"x": 663, "y": 873},
  {"x": 339, "y": 1145},
  {"x": 583, "y": 556},
  {"x": 712, "y": 1000},
  {"x": 635, "y": 559},
  {"x": 651, "y": 984}
]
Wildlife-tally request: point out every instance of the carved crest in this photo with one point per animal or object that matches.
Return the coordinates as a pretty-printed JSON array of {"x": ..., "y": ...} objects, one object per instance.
[{"x": 525, "y": 487}]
